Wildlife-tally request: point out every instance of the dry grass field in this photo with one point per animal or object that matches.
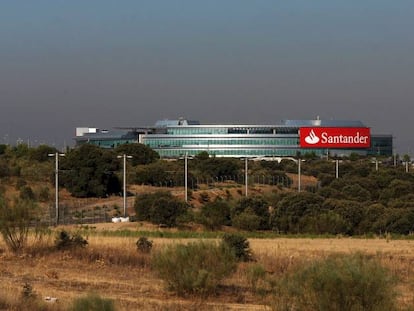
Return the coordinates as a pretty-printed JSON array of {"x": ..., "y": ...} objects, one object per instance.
[{"x": 112, "y": 267}]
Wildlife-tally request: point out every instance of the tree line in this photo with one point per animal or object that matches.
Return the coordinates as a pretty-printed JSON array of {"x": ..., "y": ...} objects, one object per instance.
[{"x": 362, "y": 200}]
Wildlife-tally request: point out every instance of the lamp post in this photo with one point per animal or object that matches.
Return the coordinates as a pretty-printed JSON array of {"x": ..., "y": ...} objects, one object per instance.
[
  {"x": 299, "y": 176},
  {"x": 375, "y": 160},
  {"x": 245, "y": 175},
  {"x": 186, "y": 177},
  {"x": 125, "y": 157},
  {"x": 56, "y": 155},
  {"x": 298, "y": 155}
]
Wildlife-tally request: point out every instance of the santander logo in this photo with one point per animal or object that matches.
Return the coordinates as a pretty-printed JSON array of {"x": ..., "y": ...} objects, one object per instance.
[
  {"x": 312, "y": 139},
  {"x": 335, "y": 137}
]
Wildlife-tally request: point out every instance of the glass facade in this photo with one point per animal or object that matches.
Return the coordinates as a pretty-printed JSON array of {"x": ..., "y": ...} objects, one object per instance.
[{"x": 174, "y": 138}]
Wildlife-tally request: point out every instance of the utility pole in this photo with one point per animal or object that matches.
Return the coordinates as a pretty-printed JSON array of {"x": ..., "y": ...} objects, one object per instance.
[
  {"x": 56, "y": 155},
  {"x": 245, "y": 175},
  {"x": 125, "y": 157}
]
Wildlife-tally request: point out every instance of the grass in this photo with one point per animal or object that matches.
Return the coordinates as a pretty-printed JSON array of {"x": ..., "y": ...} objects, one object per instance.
[
  {"x": 188, "y": 234},
  {"x": 111, "y": 267}
]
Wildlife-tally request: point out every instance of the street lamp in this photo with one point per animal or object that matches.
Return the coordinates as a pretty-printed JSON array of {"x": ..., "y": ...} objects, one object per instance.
[
  {"x": 375, "y": 160},
  {"x": 298, "y": 155},
  {"x": 245, "y": 175},
  {"x": 125, "y": 157},
  {"x": 299, "y": 174},
  {"x": 336, "y": 161},
  {"x": 56, "y": 155},
  {"x": 186, "y": 176}
]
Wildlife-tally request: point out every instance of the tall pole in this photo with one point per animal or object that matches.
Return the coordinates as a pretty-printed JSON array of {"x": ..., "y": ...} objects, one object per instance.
[
  {"x": 56, "y": 155},
  {"x": 186, "y": 177},
  {"x": 124, "y": 157},
  {"x": 336, "y": 168},
  {"x": 245, "y": 175},
  {"x": 299, "y": 178},
  {"x": 124, "y": 183},
  {"x": 57, "y": 187}
]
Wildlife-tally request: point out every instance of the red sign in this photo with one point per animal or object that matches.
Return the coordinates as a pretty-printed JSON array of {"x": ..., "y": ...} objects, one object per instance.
[{"x": 335, "y": 137}]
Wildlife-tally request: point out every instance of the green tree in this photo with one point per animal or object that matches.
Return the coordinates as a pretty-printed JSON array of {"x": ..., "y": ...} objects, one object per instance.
[
  {"x": 257, "y": 206},
  {"x": 160, "y": 207},
  {"x": 141, "y": 154},
  {"x": 160, "y": 173},
  {"x": 26, "y": 193},
  {"x": 350, "y": 211},
  {"x": 215, "y": 167},
  {"x": 41, "y": 153},
  {"x": 215, "y": 214},
  {"x": 3, "y": 149},
  {"x": 90, "y": 171},
  {"x": 293, "y": 209},
  {"x": 246, "y": 220}
]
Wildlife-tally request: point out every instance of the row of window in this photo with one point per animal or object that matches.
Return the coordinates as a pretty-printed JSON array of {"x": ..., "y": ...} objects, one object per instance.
[
  {"x": 235, "y": 152},
  {"x": 229, "y": 130},
  {"x": 196, "y": 130},
  {"x": 165, "y": 143}
]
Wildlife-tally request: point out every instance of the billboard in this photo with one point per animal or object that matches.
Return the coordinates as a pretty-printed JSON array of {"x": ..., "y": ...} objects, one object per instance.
[{"x": 335, "y": 137}]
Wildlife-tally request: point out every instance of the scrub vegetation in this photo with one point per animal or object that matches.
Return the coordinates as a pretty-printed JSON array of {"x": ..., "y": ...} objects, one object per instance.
[{"x": 220, "y": 250}]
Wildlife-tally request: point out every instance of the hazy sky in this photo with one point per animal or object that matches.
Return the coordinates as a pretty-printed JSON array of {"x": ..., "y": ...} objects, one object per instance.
[{"x": 69, "y": 63}]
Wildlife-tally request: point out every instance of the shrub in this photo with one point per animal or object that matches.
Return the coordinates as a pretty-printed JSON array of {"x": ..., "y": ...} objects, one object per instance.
[
  {"x": 255, "y": 205},
  {"x": 239, "y": 245},
  {"x": 26, "y": 193},
  {"x": 204, "y": 197},
  {"x": 15, "y": 220},
  {"x": 247, "y": 220},
  {"x": 254, "y": 274},
  {"x": 92, "y": 302},
  {"x": 20, "y": 183},
  {"x": 44, "y": 194},
  {"x": 144, "y": 245},
  {"x": 215, "y": 214},
  {"x": 160, "y": 207},
  {"x": 195, "y": 268},
  {"x": 65, "y": 240},
  {"x": 353, "y": 282}
]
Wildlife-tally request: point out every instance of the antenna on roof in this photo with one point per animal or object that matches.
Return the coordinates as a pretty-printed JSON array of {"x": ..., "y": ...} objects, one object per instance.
[{"x": 317, "y": 118}]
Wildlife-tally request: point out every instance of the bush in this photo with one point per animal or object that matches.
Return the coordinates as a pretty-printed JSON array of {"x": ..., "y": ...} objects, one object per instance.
[
  {"x": 160, "y": 207},
  {"x": 353, "y": 282},
  {"x": 255, "y": 205},
  {"x": 247, "y": 220},
  {"x": 92, "y": 302},
  {"x": 144, "y": 245},
  {"x": 20, "y": 183},
  {"x": 239, "y": 245},
  {"x": 15, "y": 220},
  {"x": 254, "y": 274},
  {"x": 44, "y": 194},
  {"x": 26, "y": 193},
  {"x": 65, "y": 240},
  {"x": 215, "y": 214},
  {"x": 195, "y": 268}
]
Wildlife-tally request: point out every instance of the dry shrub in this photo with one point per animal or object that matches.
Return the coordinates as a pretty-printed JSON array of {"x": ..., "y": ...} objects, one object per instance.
[
  {"x": 92, "y": 302},
  {"x": 337, "y": 283},
  {"x": 113, "y": 256},
  {"x": 194, "y": 268},
  {"x": 27, "y": 300},
  {"x": 279, "y": 264}
]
